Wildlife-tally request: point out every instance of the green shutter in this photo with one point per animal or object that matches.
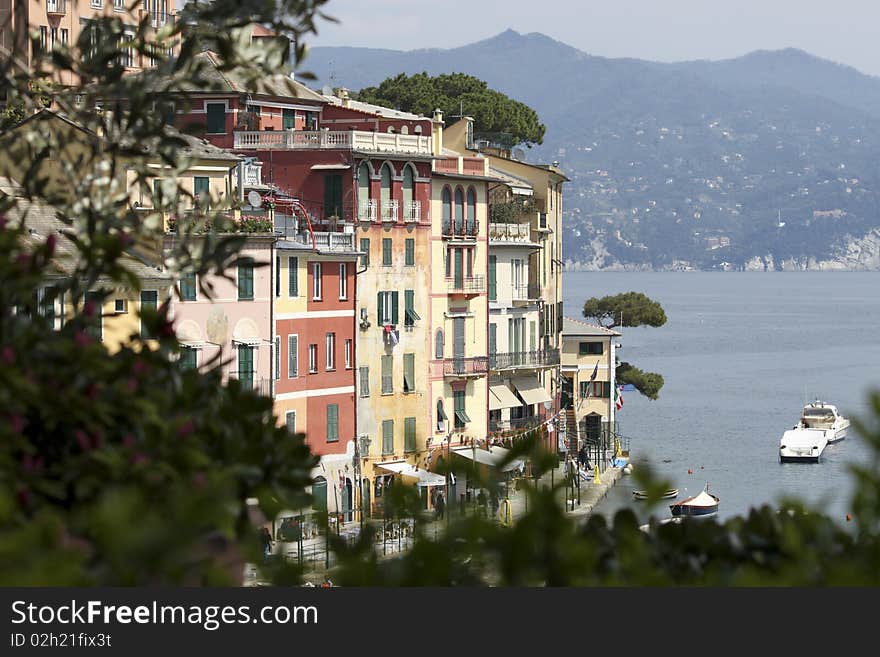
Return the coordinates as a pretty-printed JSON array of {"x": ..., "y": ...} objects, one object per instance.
[
  {"x": 188, "y": 358},
  {"x": 388, "y": 436},
  {"x": 493, "y": 336},
  {"x": 292, "y": 277},
  {"x": 216, "y": 118},
  {"x": 246, "y": 280},
  {"x": 409, "y": 372},
  {"x": 410, "y": 251},
  {"x": 410, "y": 314},
  {"x": 149, "y": 300},
  {"x": 332, "y": 195},
  {"x": 409, "y": 432},
  {"x": 606, "y": 388},
  {"x": 380, "y": 297},
  {"x": 394, "y": 308},
  {"x": 365, "y": 247},
  {"x": 386, "y": 251},
  {"x": 277, "y": 357},
  {"x": 365, "y": 382},
  {"x": 188, "y": 287},
  {"x": 246, "y": 366},
  {"x": 493, "y": 291},
  {"x": 288, "y": 119},
  {"x": 292, "y": 356},
  {"x": 387, "y": 375},
  {"x": 332, "y": 423}
]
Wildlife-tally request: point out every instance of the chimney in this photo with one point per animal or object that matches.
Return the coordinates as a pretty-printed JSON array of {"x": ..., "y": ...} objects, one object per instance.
[
  {"x": 438, "y": 115},
  {"x": 342, "y": 94}
]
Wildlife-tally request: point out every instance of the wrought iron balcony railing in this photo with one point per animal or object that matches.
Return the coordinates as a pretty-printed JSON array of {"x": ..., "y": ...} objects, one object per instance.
[
  {"x": 466, "y": 284},
  {"x": 476, "y": 366},
  {"x": 514, "y": 359}
]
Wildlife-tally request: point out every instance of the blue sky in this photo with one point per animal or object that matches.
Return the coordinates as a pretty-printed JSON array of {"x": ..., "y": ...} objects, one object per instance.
[{"x": 844, "y": 31}]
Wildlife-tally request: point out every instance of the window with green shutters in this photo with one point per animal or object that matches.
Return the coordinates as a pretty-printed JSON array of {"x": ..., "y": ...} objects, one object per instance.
[
  {"x": 365, "y": 249},
  {"x": 292, "y": 277},
  {"x": 409, "y": 434},
  {"x": 292, "y": 356},
  {"x": 332, "y": 195},
  {"x": 493, "y": 286},
  {"x": 246, "y": 366},
  {"x": 410, "y": 316},
  {"x": 277, "y": 276},
  {"x": 95, "y": 326},
  {"x": 332, "y": 423},
  {"x": 409, "y": 372},
  {"x": 149, "y": 300},
  {"x": 365, "y": 381},
  {"x": 188, "y": 287},
  {"x": 188, "y": 358},
  {"x": 47, "y": 297},
  {"x": 387, "y": 436},
  {"x": 461, "y": 416},
  {"x": 246, "y": 280},
  {"x": 216, "y": 118},
  {"x": 202, "y": 188},
  {"x": 288, "y": 119},
  {"x": 606, "y": 389},
  {"x": 410, "y": 252},
  {"x": 386, "y": 251},
  {"x": 290, "y": 421},
  {"x": 590, "y": 348},
  {"x": 493, "y": 335},
  {"x": 277, "y": 357},
  {"x": 386, "y": 308},
  {"x": 387, "y": 375}
]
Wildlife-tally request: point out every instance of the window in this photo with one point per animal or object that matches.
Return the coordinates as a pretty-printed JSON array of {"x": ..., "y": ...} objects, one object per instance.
[
  {"x": 387, "y": 380},
  {"x": 277, "y": 357},
  {"x": 64, "y": 36},
  {"x": 471, "y": 216},
  {"x": 363, "y": 182},
  {"x": 409, "y": 434},
  {"x": 96, "y": 4},
  {"x": 330, "y": 341},
  {"x": 202, "y": 189},
  {"x": 459, "y": 211},
  {"x": 387, "y": 436},
  {"x": 292, "y": 356},
  {"x": 290, "y": 421},
  {"x": 343, "y": 281},
  {"x": 44, "y": 37},
  {"x": 53, "y": 37},
  {"x": 246, "y": 279},
  {"x": 188, "y": 358},
  {"x": 46, "y": 298},
  {"x": 365, "y": 249},
  {"x": 277, "y": 276},
  {"x": 446, "y": 200},
  {"x": 120, "y": 306},
  {"x": 292, "y": 277},
  {"x": 119, "y": 5},
  {"x": 385, "y": 192},
  {"x": 461, "y": 417},
  {"x": 410, "y": 252},
  {"x": 149, "y": 301},
  {"x": 246, "y": 366},
  {"x": 316, "y": 281},
  {"x": 387, "y": 308},
  {"x": 409, "y": 372},
  {"x": 438, "y": 344},
  {"x": 441, "y": 416},
  {"x": 96, "y": 321},
  {"x": 590, "y": 348},
  {"x": 216, "y": 118},
  {"x": 493, "y": 338},
  {"x": 493, "y": 284},
  {"x": 188, "y": 287},
  {"x": 595, "y": 389},
  {"x": 313, "y": 358},
  {"x": 332, "y": 195},
  {"x": 365, "y": 381},
  {"x": 410, "y": 316},
  {"x": 386, "y": 251},
  {"x": 288, "y": 119},
  {"x": 348, "y": 354},
  {"x": 332, "y": 423}
]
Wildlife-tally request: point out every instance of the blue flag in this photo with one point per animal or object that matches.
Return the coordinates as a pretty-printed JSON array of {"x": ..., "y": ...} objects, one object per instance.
[{"x": 595, "y": 372}]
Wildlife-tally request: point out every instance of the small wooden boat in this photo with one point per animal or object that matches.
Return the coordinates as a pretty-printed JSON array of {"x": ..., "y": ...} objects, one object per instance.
[
  {"x": 704, "y": 504},
  {"x": 668, "y": 493}
]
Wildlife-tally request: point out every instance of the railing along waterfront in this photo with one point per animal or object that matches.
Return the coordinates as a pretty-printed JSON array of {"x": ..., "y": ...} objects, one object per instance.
[
  {"x": 356, "y": 140},
  {"x": 537, "y": 358}
]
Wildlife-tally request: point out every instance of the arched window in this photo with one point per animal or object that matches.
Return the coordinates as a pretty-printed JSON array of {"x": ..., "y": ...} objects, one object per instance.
[
  {"x": 438, "y": 347},
  {"x": 408, "y": 189},
  {"x": 446, "y": 198},
  {"x": 391, "y": 129},
  {"x": 418, "y": 130},
  {"x": 404, "y": 130},
  {"x": 459, "y": 210},
  {"x": 363, "y": 190},
  {"x": 471, "y": 209},
  {"x": 385, "y": 193}
]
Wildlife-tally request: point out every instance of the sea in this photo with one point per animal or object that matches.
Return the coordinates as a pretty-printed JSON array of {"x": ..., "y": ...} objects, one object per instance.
[{"x": 740, "y": 353}]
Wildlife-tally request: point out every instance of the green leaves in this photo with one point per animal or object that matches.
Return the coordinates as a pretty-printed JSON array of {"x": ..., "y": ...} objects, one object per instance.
[
  {"x": 647, "y": 383},
  {"x": 625, "y": 309}
]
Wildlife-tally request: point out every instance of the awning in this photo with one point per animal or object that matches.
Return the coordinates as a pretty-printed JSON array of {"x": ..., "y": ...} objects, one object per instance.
[
  {"x": 504, "y": 396},
  {"x": 406, "y": 469},
  {"x": 330, "y": 167},
  {"x": 530, "y": 390},
  {"x": 491, "y": 457},
  {"x": 247, "y": 342}
]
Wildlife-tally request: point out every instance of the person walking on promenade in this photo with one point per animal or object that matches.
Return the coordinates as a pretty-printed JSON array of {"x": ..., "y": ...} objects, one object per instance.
[{"x": 440, "y": 506}]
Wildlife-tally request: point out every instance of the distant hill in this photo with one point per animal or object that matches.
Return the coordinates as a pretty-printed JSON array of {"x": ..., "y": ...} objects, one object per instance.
[{"x": 770, "y": 158}]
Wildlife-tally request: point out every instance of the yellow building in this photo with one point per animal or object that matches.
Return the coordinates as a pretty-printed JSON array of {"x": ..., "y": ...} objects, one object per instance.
[{"x": 588, "y": 366}]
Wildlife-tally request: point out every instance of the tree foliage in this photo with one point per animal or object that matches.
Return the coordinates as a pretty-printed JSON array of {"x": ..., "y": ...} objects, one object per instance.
[
  {"x": 647, "y": 383},
  {"x": 456, "y": 92},
  {"x": 625, "y": 309}
]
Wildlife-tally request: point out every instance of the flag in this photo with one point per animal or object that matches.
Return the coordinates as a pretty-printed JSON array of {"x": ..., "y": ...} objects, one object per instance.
[
  {"x": 618, "y": 398},
  {"x": 595, "y": 372}
]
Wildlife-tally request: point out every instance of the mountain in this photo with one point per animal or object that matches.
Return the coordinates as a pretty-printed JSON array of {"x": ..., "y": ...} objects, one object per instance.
[{"x": 770, "y": 160}]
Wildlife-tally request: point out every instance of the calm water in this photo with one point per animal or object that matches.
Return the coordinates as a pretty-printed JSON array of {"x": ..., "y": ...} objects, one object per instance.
[{"x": 739, "y": 353}]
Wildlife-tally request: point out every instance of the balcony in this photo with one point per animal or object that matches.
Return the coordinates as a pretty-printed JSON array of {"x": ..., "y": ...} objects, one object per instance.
[
  {"x": 526, "y": 292},
  {"x": 412, "y": 212},
  {"x": 510, "y": 233},
  {"x": 514, "y": 423},
  {"x": 524, "y": 359},
  {"x": 339, "y": 238},
  {"x": 367, "y": 210},
  {"x": 463, "y": 166},
  {"x": 262, "y": 387},
  {"x": 351, "y": 140},
  {"x": 466, "y": 230},
  {"x": 466, "y": 285},
  {"x": 161, "y": 19},
  {"x": 466, "y": 367},
  {"x": 390, "y": 211},
  {"x": 56, "y": 7}
]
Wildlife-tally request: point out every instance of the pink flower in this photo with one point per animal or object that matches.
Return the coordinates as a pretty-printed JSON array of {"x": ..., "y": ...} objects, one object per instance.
[
  {"x": 24, "y": 260},
  {"x": 8, "y": 355}
]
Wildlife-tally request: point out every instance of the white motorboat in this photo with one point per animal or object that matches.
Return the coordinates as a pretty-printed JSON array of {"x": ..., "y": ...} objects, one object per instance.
[{"x": 819, "y": 426}]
